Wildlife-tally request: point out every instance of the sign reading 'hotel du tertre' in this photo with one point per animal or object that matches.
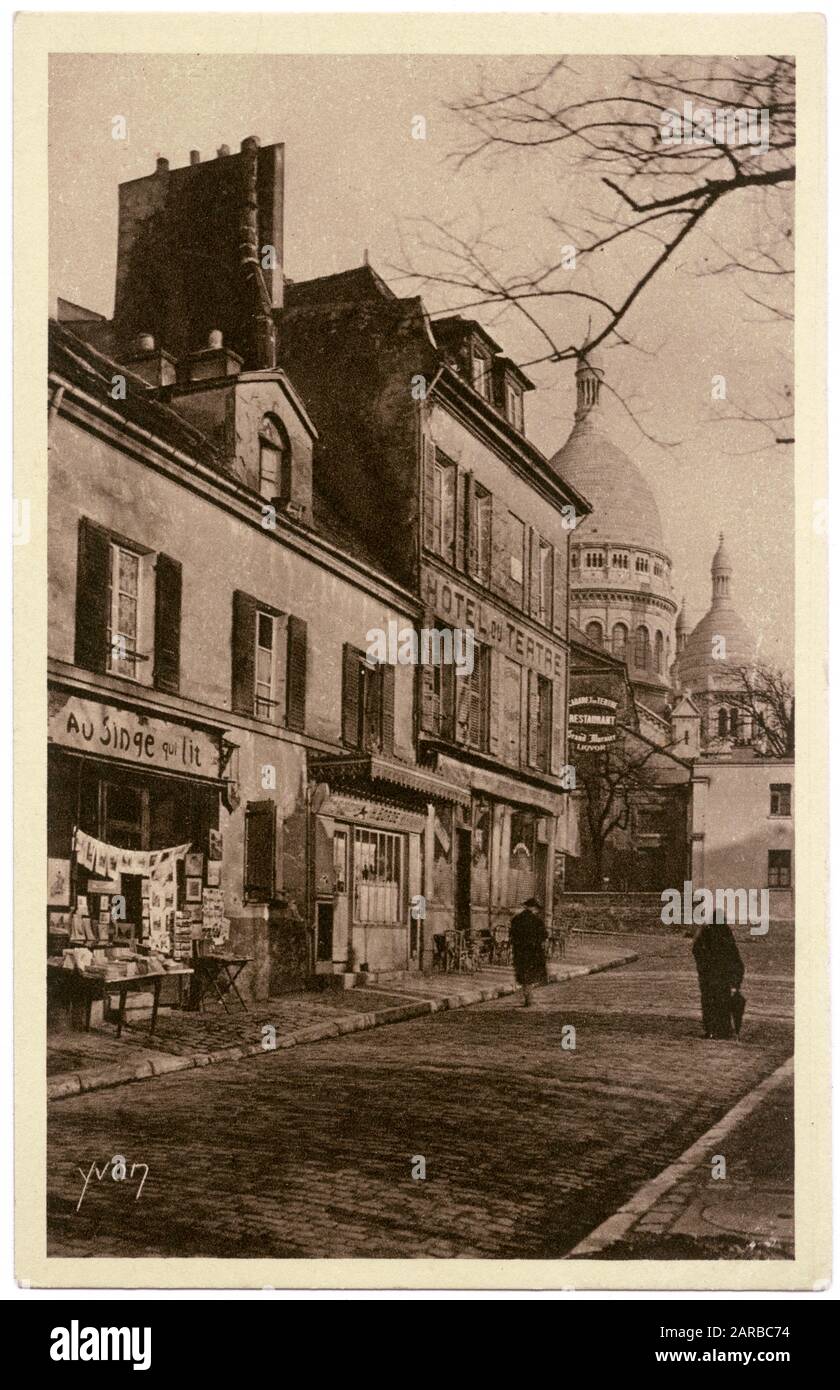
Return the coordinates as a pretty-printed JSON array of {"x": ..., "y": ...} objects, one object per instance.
[{"x": 108, "y": 731}]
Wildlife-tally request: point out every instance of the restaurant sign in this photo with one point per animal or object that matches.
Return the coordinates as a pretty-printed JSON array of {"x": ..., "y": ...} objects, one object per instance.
[
  {"x": 106, "y": 731},
  {"x": 592, "y": 721}
]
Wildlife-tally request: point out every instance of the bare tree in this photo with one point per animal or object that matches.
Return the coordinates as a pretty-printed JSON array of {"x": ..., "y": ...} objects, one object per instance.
[
  {"x": 675, "y": 140},
  {"x": 765, "y": 695},
  {"x": 614, "y": 780}
]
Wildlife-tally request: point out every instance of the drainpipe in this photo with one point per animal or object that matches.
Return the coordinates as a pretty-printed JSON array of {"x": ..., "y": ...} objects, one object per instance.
[{"x": 55, "y": 405}]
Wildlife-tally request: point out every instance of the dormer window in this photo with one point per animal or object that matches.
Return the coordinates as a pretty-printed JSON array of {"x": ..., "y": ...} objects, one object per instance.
[
  {"x": 275, "y": 483},
  {"x": 513, "y": 405},
  {"x": 482, "y": 367}
]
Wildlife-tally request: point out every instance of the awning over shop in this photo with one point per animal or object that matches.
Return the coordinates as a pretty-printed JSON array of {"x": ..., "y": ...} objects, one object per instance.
[
  {"x": 520, "y": 793},
  {"x": 369, "y": 767}
]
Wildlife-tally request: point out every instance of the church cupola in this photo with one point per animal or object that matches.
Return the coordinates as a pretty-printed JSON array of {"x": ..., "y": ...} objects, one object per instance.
[
  {"x": 721, "y": 576},
  {"x": 588, "y": 375}
]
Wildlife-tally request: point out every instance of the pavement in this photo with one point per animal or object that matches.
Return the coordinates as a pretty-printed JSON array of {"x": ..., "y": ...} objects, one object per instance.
[
  {"x": 493, "y": 1131},
  {"x": 96, "y": 1060}
]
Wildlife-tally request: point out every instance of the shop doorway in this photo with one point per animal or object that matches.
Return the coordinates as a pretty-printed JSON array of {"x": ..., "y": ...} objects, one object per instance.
[{"x": 463, "y": 866}]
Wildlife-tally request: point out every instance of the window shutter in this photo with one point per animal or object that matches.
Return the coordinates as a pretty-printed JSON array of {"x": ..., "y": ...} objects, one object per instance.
[
  {"x": 167, "y": 673},
  {"x": 494, "y": 675},
  {"x": 296, "y": 674},
  {"x": 243, "y": 647},
  {"x": 429, "y": 712},
  {"x": 470, "y": 537},
  {"x": 260, "y": 821},
  {"x": 533, "y": 731},
  {"x": 558, "y": 732},
  {"x": 92, "y": 575},
  {"x": 388, "y": 683},
  {"x": 559, "y": 568},
  {"x": 533, "y": 576},
  {"x": 463, "y": 495},
  {"x": 350, "y": 696},
  {"x": 428, "y": 449}
]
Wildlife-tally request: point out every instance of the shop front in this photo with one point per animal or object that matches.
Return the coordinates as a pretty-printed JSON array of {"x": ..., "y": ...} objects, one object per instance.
[
  {"x": 369, "y": 824},
  {"x": 134, "y": 847}
]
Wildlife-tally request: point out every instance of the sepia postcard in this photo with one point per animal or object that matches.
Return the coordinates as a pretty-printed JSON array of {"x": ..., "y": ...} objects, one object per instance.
[{"x": 420, "y": 618}]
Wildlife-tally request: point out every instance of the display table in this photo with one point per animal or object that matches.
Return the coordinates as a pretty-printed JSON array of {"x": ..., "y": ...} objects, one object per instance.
[
  {"x": 87, "y": 986},
  {"x": 218, "y": 973}
]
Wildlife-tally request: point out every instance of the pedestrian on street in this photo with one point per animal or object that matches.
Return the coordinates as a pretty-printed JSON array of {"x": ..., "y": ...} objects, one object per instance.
[
  {"x": 527, "y": 942},
  {"x": 720, "y": 971}
]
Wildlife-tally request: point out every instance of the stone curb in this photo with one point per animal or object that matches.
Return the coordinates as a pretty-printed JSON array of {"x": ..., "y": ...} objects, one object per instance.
[
  {"x": 617, "y": 1226},
  {"x": 120, "y": 1074}
]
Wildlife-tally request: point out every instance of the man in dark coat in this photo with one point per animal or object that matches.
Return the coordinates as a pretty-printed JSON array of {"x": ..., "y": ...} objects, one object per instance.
[
  {"x": 720, "y": 970},
  {"x": 527, "y": 943}
]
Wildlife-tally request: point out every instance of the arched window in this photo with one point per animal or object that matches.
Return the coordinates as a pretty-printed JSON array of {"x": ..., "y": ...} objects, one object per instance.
[
  {"x": 659, "y": 647},
  {"x": 722, "y": 723},
  {"x": 275, "y": 461},
  {"x": 642, "y": 648},
  {"x": 619, "y": 641},
  {"x": 595, "y": 633}
]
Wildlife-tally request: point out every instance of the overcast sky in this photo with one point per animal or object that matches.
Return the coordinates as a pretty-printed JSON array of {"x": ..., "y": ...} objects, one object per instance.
[{"x": 355, "y": 179}]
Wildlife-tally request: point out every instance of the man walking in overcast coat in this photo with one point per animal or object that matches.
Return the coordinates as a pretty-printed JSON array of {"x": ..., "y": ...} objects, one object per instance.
[{"x": 527, "y": 942}]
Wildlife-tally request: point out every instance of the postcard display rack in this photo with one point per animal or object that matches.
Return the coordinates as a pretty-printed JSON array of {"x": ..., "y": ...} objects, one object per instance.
[{"x": 157, "y": 901}]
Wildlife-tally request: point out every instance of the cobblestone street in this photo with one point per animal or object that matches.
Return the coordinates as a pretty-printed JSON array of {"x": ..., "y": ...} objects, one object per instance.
[{"x": 527, "y": 1146}]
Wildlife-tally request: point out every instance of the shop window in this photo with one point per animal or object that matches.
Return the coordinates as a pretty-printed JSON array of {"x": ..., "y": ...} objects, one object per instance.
[
  {"x": 367, "y": 702},
  {"x": 780, "y": 798},
  {"x": 125, "y": 815},
  {"x": 545, "y": 583},
  {"x": 269, "y": 662},
  {"x": 619, "y": 641},
  {"x": 479, "y": 525},
  {"x": 377, "y": 876},
  {"x": 275, "y": 461},
  {"x": 778, "y": 868},
  {"x": 260, "y": 833}
]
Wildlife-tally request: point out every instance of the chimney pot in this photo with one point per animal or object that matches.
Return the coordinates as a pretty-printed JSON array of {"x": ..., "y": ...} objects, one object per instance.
[
  {"x": 215, "y": 339},
  {"x": 195, "y": 157},
  {"x": 222, "y": 151},
  {"x": 163, "y": 166},
  {"x": 251, "y": 142}
]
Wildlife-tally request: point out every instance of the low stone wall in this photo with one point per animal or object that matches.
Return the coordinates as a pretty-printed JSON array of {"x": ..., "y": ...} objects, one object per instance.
[{"x": 612, "y": 912}]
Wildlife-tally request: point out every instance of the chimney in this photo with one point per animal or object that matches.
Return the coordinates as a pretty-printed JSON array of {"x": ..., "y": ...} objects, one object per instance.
[
  {"x": 193, "y": 253},
  {"x": 162, "y": 166},
  {"x": 149, "y": 362},
  {"x": 211, "y": 362},
  {"x": 223, "y": 151}
]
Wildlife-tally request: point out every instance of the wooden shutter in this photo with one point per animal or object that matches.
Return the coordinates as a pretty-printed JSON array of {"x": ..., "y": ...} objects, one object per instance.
[
  {"x": 260, "y": 823},
  {"x": 561, "y": 558},
  {"x": 532, "y": 578},
  {"x": 243, "y": 650},
  {"x": 388, "y": 683},
  {"x": 429, "y": 711},
  {"x": 296, "y": 674},
  {"x": 558, "y": 732},
  {"x": 92, "y": 576},
  {"x": 167, "y": 672},
  {"x": 494, "y": 676},
  {"x": 533, "y": 709},
  {"x": 463, "y": 495},
  {"x": 428, "y": 451},
  {"x": 350, "y": 696}
]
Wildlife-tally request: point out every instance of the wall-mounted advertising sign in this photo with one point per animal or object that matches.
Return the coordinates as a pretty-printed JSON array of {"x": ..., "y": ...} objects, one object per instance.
[{"x": 592, "y": 721}]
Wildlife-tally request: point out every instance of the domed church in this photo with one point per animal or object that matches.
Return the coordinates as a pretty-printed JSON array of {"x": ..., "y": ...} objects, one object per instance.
[
  {"x": 620, "y": 587},
  {"x": 709, "y": 658}
]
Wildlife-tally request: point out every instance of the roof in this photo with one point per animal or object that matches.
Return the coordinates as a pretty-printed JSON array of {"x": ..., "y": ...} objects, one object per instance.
[{"x": 624, "y": 509}]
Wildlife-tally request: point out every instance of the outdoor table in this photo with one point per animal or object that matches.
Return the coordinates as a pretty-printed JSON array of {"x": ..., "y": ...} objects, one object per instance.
[
  {"x": 94, "y": 986},
  {"x": 219, "y": 973}
]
